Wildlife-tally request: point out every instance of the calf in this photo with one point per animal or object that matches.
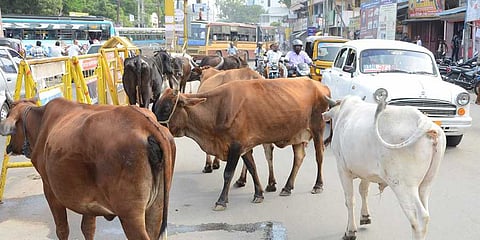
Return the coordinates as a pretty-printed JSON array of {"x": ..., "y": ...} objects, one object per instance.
[
  {"x": 97, "y": 160},
  {"x": 404, "y": 151}
]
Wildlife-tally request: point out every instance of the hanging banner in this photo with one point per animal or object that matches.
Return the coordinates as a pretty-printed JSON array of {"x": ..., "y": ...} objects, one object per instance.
[
  {"x": 170, "y": 23},
  {"x": 378, "y": 19},
  {"x": 424, "y": 8},
  {"x": 473, "y": 11}
]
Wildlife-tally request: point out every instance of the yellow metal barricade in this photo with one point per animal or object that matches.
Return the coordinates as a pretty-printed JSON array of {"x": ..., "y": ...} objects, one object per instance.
[{"x": 76, "y": 78}]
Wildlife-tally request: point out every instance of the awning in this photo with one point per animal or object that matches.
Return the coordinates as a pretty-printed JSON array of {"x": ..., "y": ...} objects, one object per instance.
[
  {"x": 452, "y": 11},
  {"x": 426, "y": 19},
  {"x": 454, "y": 14},
  {"x": 296, "y": 7}
]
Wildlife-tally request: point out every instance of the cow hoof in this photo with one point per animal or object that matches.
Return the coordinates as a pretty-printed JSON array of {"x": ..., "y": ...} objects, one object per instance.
[
  {"x": 316, "y": 190},
  {"x": 271, "y": 188},
  {"x": 216, "y": 166},
  {"x": 220, "y": 207},
  {"x": 239, "y": 184},
  {"x": 365, "y": 219},
  {"x": 257, "y": 199},
  {"x": 207, "y": 170},
  {"x": 285, "y": 192}
]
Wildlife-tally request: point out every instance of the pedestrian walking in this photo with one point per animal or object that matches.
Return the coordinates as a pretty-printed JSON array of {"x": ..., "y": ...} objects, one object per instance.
[{"x": 456, "y": 42}]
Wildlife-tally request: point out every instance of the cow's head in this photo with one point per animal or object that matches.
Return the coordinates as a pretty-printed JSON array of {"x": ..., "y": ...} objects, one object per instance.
[
  {"x": 15, "y": 125},
  {"x": 170, "y": 110}
]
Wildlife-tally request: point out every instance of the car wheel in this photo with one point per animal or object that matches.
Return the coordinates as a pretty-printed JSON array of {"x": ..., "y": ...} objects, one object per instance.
[
  {"x": 4, "y": 111},
  {"x": 453, "y": 141}
]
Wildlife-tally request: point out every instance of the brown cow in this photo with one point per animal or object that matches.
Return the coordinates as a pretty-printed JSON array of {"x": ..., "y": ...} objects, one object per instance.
[
  {"x": 97, "y": 160},
  {"x": 211, "y": 78},
  {"x": 230, "y": 120}
]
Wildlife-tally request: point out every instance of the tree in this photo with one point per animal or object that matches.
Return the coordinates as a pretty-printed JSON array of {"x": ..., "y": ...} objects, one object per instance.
[
  {"x": 32, "y": 7},
  {"x": 237, "y": 11}
]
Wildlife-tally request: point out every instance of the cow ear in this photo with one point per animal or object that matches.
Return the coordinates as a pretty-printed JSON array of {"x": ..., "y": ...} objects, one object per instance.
[
  {"x": 327, "y": 116},
  {"x": 189, "y": 102}
]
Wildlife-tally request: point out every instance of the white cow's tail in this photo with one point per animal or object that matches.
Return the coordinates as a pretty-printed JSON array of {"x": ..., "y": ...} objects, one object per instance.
[
  {"x": 439, "y": 145},
  {"x": 422, "y": 127}
]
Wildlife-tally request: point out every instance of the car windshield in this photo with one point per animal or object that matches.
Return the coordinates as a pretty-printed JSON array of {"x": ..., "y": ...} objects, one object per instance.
[
  {"x": 6, "y": 63},
  {"x": 391, "y": 60},
  {"x": 327, "y": 51},
  {"x": 94, "y": 49}
]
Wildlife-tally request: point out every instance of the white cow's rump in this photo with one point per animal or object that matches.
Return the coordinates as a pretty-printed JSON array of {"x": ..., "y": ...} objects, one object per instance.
[{"x": 402, "y": 149}]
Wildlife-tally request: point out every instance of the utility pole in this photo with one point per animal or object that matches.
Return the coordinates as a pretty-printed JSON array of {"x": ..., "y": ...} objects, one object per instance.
[
  {"x": 185, "y": 27},
  {"x": 118, "y": 12}
]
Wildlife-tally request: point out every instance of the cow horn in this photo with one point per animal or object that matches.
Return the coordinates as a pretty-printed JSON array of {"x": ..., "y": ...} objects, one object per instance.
[{"x": 331, "y": 102}]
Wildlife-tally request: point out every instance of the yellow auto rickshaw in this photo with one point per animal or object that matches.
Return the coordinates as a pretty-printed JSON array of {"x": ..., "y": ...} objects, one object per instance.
[{"x": 322, "y": 50}]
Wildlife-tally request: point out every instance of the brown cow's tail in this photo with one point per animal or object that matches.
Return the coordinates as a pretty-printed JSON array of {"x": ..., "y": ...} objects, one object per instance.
[{"x": 161, "y": 155}]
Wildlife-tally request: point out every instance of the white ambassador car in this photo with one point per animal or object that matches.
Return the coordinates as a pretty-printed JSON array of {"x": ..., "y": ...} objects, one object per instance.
[
  {"x": 407, "y": 73},
  {"x": 9, "y": 60}
]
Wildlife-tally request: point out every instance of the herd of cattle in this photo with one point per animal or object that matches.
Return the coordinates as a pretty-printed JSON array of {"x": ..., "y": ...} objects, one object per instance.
[{"x": 130, "y": 175}]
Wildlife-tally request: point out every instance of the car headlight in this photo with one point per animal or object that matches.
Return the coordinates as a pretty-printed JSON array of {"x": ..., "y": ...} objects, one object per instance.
[
  {"x": 463, "y": 99},
  {"x": 380, "y": 94}
]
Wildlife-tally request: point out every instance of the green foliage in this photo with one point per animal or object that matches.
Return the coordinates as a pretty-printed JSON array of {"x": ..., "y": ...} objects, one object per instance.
[
  {"x": 32, "y": 7},
  {"x": 237, "y": 11},
  {"x": 275, "y": 24}
]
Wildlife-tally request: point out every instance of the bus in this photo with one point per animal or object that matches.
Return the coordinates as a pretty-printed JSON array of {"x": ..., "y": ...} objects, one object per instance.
[
  {"x": 213, "y": 38},
  {"x": 49, "y": 29},
  {"x": 143, "y": 36}
]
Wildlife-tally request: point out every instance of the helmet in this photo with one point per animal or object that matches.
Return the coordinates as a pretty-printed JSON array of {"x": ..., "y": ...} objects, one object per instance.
[{"x": 297, "y": 42}]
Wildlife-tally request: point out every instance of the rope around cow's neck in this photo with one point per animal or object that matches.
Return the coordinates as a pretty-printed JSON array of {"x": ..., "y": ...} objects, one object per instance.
[
  {"x": 171, "y": 114},
  {"x": 26, "y": 143}
]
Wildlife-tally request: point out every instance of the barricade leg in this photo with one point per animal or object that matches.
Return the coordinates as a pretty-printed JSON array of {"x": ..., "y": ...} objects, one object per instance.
[
  {"x": 6, "y": 164},
  {"x": 3, "y": 175}
]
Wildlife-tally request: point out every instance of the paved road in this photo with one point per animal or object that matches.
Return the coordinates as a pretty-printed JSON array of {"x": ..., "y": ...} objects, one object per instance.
[{"x": 453, "y": 205}]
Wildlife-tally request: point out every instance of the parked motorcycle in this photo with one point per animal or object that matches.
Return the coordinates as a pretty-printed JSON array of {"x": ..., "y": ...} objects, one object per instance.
[
  {"x": 467, "y": 78},
  {"x": 445, "y": 65}
]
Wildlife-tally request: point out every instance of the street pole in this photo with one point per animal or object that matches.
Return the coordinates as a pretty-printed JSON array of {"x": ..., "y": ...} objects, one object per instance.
[
  {"x": 185, "y": 27},
  {"x": 118, "y": 13}
]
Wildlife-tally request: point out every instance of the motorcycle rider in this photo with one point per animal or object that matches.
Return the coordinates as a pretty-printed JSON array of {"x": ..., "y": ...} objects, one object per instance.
[
  {"x": 259, "y": 53},
  {"x": 296, "y": 56},
  {"x": 273, "y": 57}
]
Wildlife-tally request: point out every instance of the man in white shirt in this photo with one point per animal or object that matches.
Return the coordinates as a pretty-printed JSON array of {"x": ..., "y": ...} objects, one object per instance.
[
  {"x": 74, "y": 49},
  {"x": 273, "y": 58},
  {"x": 56, "y": 51}
]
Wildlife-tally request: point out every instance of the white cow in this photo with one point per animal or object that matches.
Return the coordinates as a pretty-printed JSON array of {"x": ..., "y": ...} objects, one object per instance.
[{"x": 396, "y": 146}]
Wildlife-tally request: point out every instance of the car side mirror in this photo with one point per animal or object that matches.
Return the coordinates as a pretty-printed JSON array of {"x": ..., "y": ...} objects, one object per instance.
[{"x": 349, "y": 69}]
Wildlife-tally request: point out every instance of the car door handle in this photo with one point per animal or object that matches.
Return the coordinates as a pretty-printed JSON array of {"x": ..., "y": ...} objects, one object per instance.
[{"x": 9, "y": 79}]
